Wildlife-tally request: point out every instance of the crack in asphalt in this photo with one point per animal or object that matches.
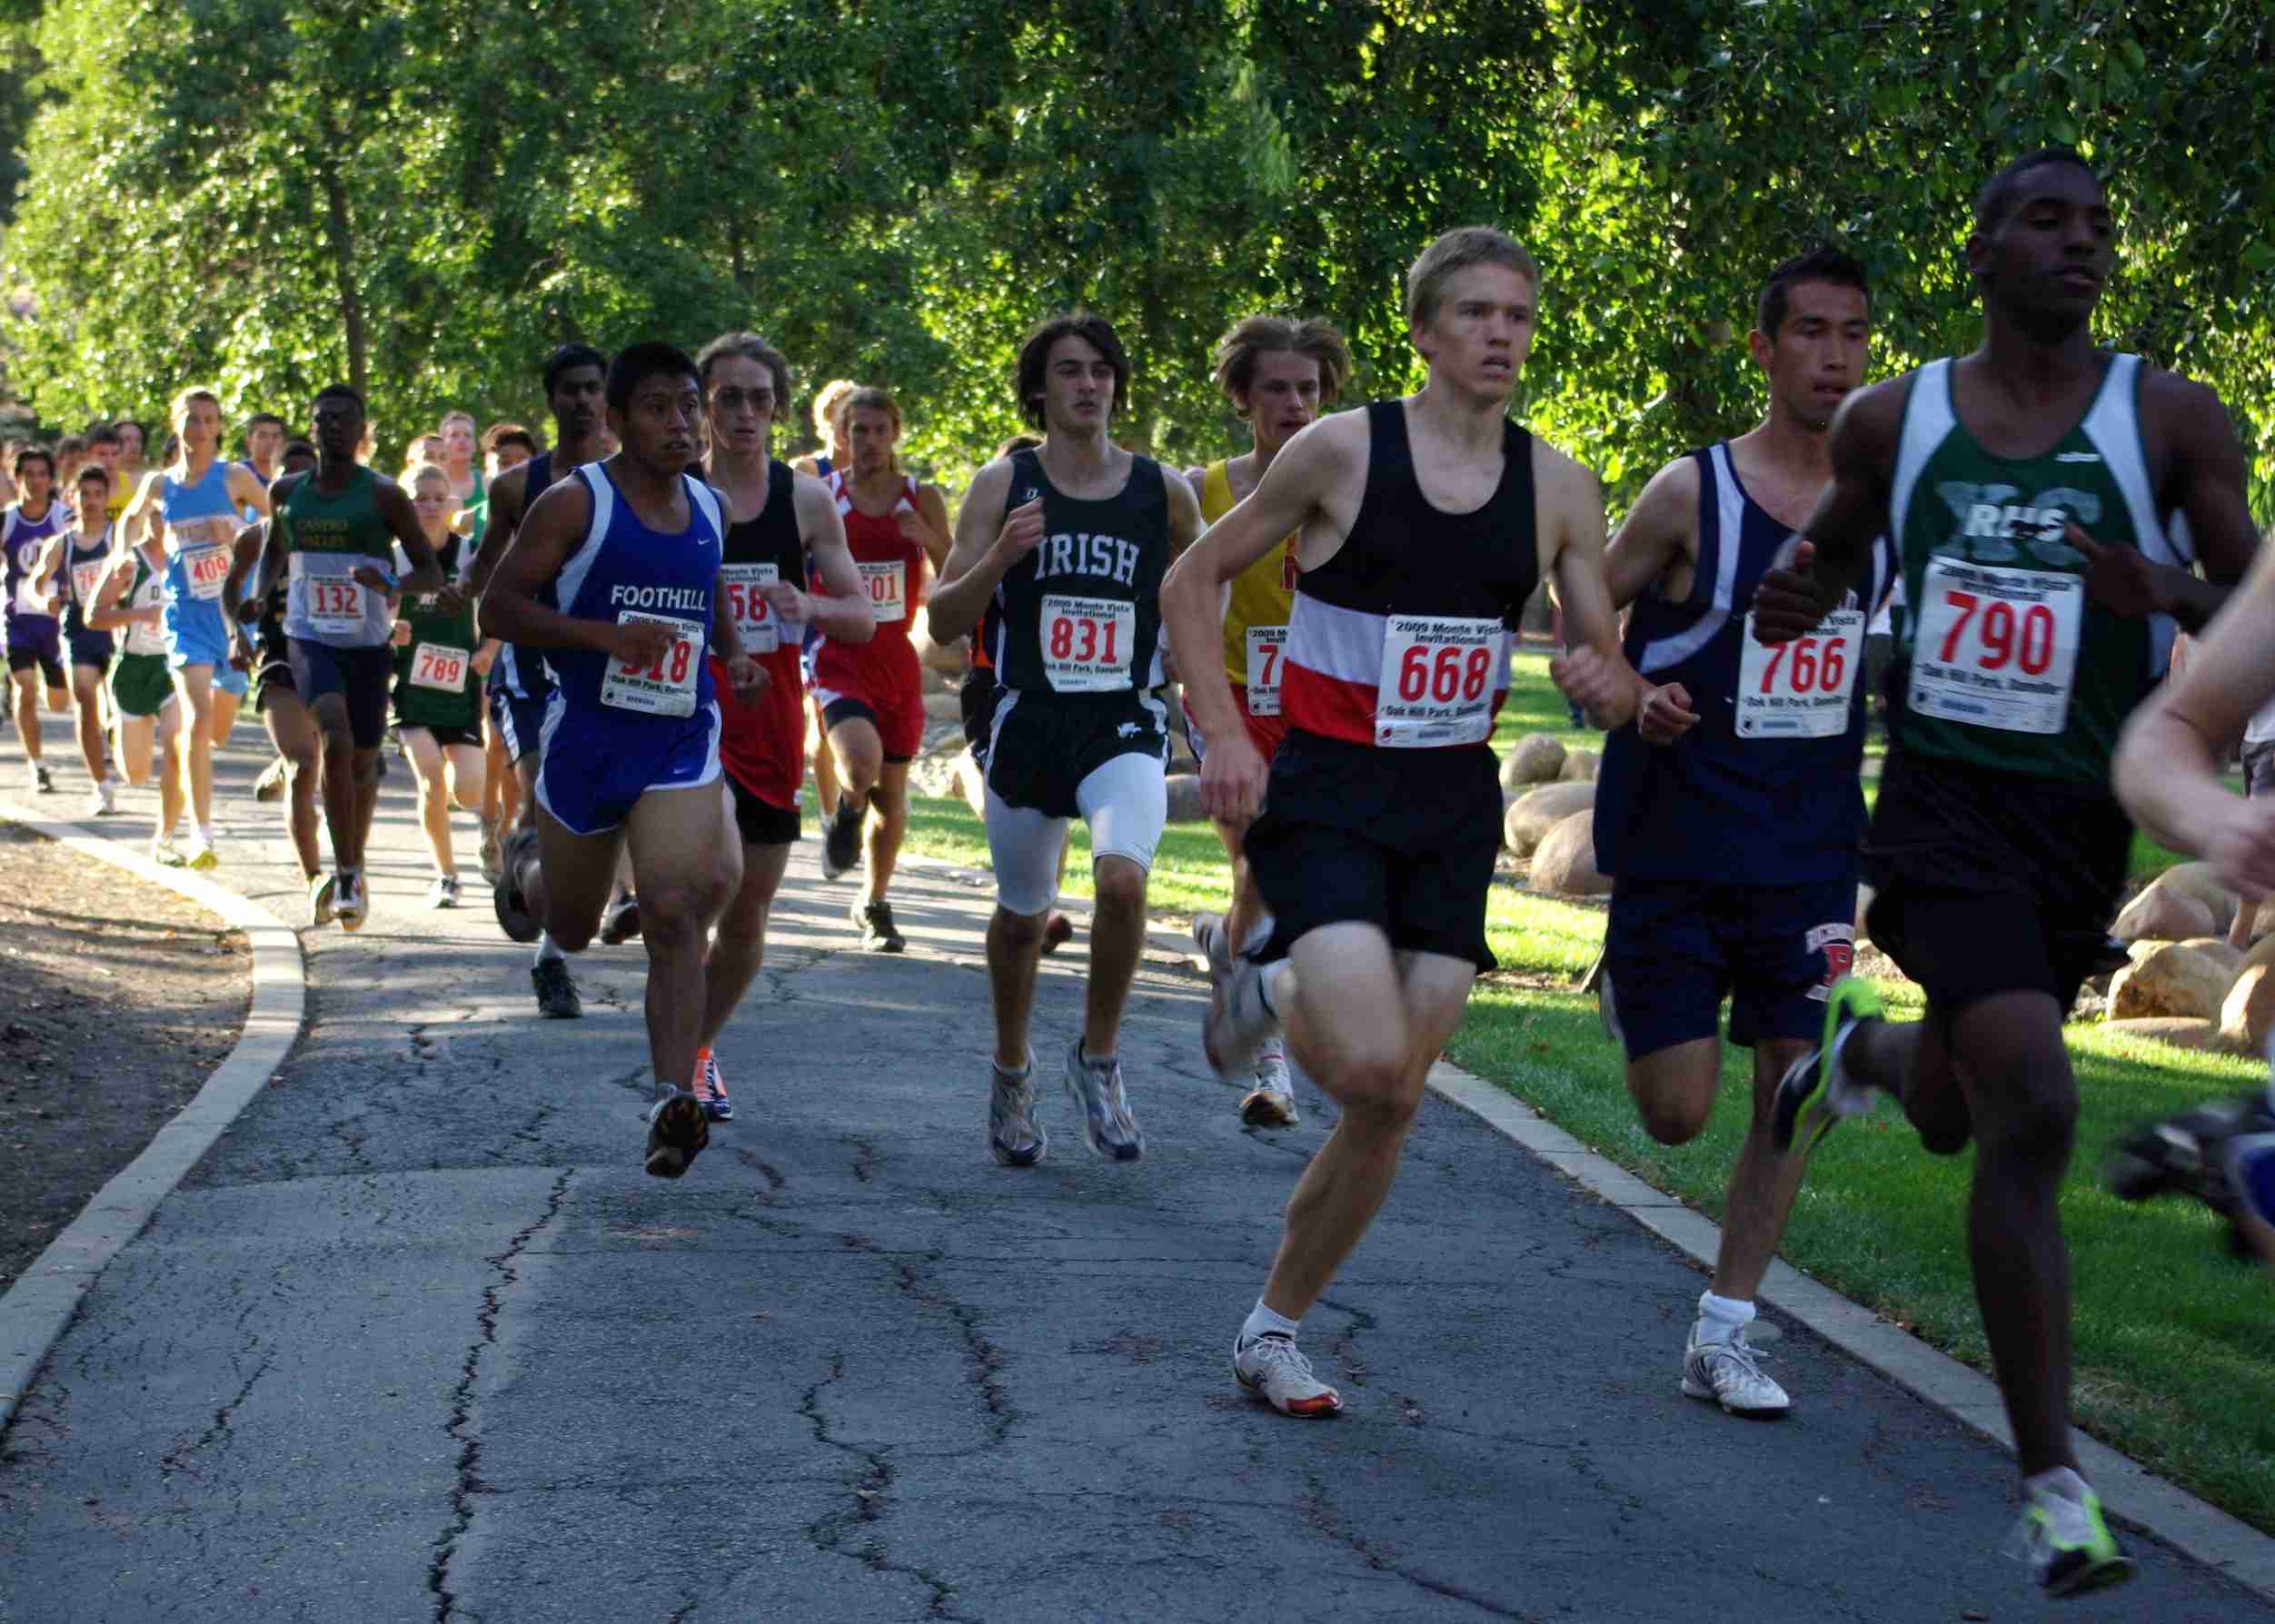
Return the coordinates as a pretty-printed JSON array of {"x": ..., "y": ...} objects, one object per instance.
[
  {"x": 178, "y": 1459},
  {"x": 469, "y": 1466},
  {"x": 1320, "y": 1512}
]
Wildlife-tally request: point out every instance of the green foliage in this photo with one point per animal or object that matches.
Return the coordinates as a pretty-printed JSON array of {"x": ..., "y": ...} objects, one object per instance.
[{"x": 427, "y": 195}]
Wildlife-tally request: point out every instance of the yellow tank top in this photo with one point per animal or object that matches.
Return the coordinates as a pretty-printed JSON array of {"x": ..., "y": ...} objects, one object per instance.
[{"x": 1262, "y": 596}]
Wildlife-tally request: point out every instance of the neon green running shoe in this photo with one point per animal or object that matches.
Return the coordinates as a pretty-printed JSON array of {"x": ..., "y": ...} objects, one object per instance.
[
  {"x": 1816, "y": 1090},
  {"x": 2067, "y": 1543}
]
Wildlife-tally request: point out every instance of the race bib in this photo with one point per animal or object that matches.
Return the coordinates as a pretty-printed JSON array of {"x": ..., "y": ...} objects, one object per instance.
[
  {"x": 145, "y": 637},
  {"x": 85, "y": 579},
  {"x": 1997, "y": 648},
  {"x": 1800, "y": 689},
  {"x": 887, "y": 585},
  {"x": 747, "y": 606},
  {"x": 1087, "y": 643},
  {"x": 335, "y": 605},
  {"x": 665, "y": 687},
  {"x": 1267, "y": 644},
  {"x": 1438, "y": 681},
  {"x": 27, "y": 601},
  {"x": 205, "y": 565},
  {"x": 440, "y": 667}
]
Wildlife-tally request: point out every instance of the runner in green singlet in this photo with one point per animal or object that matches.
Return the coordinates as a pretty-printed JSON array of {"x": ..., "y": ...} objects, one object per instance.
[{"x": 2030, "y": 487}]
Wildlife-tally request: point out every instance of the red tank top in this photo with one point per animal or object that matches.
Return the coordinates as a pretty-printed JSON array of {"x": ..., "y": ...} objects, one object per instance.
[
  {"x": 763, "y": 743},
  {"x": 892, "y": 570}
]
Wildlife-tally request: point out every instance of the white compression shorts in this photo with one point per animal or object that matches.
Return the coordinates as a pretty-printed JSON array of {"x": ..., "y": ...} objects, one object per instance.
[{"x": 1125, "y": 803}]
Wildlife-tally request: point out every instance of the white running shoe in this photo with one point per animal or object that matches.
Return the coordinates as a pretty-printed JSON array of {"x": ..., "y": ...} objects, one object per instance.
[
  {"x": 1096, "y": 1088},
  {"x": 322, "y": 892},
  {"x": 105, "y": 797},
  {"x": 1208, "y": 936},
  {"x": 351, "y": 902},
  {"x": 1014, "y": 1136},
  {"x": 1238, "y": 1025},
  {"x": 1274, "y": 1369},
  {"x": 1271, "y": 1103},
  {"x": 1730, "y": 1373},
  {"x": 165, "y": 853},
  {"x": 201, "y": 854}
]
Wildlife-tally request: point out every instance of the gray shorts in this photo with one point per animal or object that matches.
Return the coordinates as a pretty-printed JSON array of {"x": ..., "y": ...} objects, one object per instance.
[{"x": 2258, "y": 768}]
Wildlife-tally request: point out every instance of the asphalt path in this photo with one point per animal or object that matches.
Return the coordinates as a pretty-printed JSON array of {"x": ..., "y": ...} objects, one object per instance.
[{"x": 418, "y": 1340}]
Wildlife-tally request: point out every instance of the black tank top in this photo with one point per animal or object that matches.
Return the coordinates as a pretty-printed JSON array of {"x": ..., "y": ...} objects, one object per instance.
[
  {"x": 1080, "y": 616},
  {"x": 524, "y": 664}
]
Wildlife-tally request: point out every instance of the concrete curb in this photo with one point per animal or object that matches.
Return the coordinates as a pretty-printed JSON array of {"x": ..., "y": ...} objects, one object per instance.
[
  {"x": 2132, "y": 1493},
  {"x": 41, "y": 1304}
]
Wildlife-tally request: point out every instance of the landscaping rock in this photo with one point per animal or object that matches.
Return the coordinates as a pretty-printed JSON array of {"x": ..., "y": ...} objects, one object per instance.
[
  {"x": 1532, "y": 815},
  {"x": 2159, "y": 915},
  {"x": 1579, "y": 766},
  {"x": 1537, "y": 760},
  {"x": 2173, "y": 979},
  {"x": 1565, "y": 861},
  {"x": 1185, "y": 798},
  {"x": 2178, "y": 1031}
]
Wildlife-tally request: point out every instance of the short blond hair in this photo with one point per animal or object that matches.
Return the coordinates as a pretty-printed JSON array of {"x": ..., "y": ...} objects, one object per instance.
[
  {"x": 827, "y": 403},
  {"x": 1457, "y": 249}
]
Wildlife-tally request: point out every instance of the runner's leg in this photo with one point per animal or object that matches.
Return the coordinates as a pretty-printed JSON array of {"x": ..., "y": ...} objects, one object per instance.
[
  {"x": 225, "y": 707},
  {"x": 294, "y": 733},
  {"x": 136, "y": 734},
  {"x": 675, "y": 837},
  {"x": 469, "y": 775},
  {"x": 825, "y": 768},
  {"x": 27, "y": 711},
  {"x": 737, "y": 947},
  {"x": 337, "y": 741},
  {"x": 1023, "y": 846},
  {"x": 194, "y": 688},
  {"x": 435, "y": 810},
  {"x": 87, "y": 693},
  {"x": 888, "y": 799},
  {"x": 171, "y": 787}
]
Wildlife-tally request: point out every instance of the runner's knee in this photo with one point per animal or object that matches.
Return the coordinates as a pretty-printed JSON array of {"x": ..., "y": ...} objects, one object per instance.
[{"x": 1120, "y": 885}]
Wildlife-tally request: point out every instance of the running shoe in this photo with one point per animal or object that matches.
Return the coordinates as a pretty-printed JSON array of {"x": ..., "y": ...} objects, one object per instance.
[
  {"x": 492, "y": 852},
  {"x": 1057, "y": 931},
  {"x": 444, "y": 892},
  {"x": 2066, "y": 1541},
  {"x": 676, "y": 1132},
  {"x": 1238, "y": 1025},
  {"x": 351, "y": 902},
  {"x": 506, "y": 894},
  {"x": 619, "y": 921},
  {"x": 711, "y": 1088},
  {"x": 1096, "y": 1088},
  {"x": 43, "y": 781},
  {"x": 1816, "y": 1090},
  {"x": 106, "y": 797},
  {"x": 841, "y": 843},
  {"x": 2251, "y": 1164},
  {"x": 1274, "y": 1369},
  {"x": 557, "y": 997},
  {"x": 1208, "y": 936},
  {"x": 2184, "y": 1153},
  {"x": 165, "y": 854},
  {"x": 201, "y": 854},
  {"x": 1730, "y": 1373},
  {"x": 1013, "y": 1134},
  {"x": 1271, "y": 1103},
  {"x": 321, "y": 891},
  {"x": 270, "y": 786},
  {"x": 878, "y": 934}
]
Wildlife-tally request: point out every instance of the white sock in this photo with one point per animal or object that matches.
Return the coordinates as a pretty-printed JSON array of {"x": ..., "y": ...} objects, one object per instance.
[
  {"x": 206, "y": 833},
  {"x": 1268, "y": 985},
  {"x": 548, "y": 948},
  {"x": 1722, "y": 1318},
  {"x": 1263, "y": 1321},
  {"x": 1259, "y": 934},
  {"x": 2059, "y": 1480}
]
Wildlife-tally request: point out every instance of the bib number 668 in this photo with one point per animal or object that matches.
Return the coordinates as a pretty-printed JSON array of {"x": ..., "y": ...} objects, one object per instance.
[{"x": 1445, "y": 674}]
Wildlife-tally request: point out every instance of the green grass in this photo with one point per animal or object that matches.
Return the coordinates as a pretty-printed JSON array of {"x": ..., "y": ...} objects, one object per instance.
[{"x": 2169, "y": 1334}]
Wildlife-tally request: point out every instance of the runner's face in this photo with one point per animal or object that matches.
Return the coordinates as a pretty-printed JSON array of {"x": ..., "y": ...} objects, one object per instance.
[
  {"x": 130, "y": 444},
  {"x": 742, "y": 404},
  {"x": 263, "y": 441},
  {"x": 512, "y": 454},
  {"x": 1481, "y": 331},
  {"x": 94, "y": 501},
  {"x": 1283, "y": 396},
  {"x": 34, "y": 482},
  {"x": 658, "y": 429},
  {"x": 2052, "y": 254},
  {"x": 431, "y": 499},
  {"x": 337, "y": 427},
  {"x": 579, "y": 400},
  {"x": 1078, "y": 387},
  {"x": 871, "y": 435},
  {"x": 1821, "y": 351},
  {"x": 105, "y": 455},
  {"x": 199, "y": 427},
  {"x": 458, "y": 442},
  {"x": 297, "y": 462}
]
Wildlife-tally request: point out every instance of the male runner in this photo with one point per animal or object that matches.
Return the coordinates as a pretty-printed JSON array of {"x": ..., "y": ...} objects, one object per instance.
[
  {"x": 266, "y": 653},
  {"x": 265, "y": 446},
  {"x": 504, "y": 446},
  {"x": 103, "y": 450},
  {"x": 72, "y": 567},
  {"x": 195, "y": 508},
  {"x": 335, "y": 532},
  {"x": 129, "y": 599},
  {"x": 35, "y": 633},
  {"x": 871, "y": 690},
  {"x": 1064, "y": 547},
  {"x": 519, "y": 686},
  {"x": 1276, "y": 372},
  {"x": 777, "y": 520},
  {"x": 1425, "y": 523},
  {"x": 629, "y": 548},
  {"x": 834, "y": 454},
  {"x": 438, "y": 661},
  {"x": 456, "y": 431},
  {"x": 1730, "y": 812},
  {"x": 2026, "y": 485}
]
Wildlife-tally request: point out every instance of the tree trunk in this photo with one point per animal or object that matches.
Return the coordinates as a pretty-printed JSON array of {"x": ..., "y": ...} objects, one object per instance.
[{"x": 341, "y": 231}]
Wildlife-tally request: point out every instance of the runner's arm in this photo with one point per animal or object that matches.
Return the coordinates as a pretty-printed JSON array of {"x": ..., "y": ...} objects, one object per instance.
[
  {"x": 842, "y": 609},
  {"x": 247, "y": 490},
  {"x": 554, "y": 528},
  {"x": 507, "y": 492},
  {"x": 2168, "y": 765},
  {"x": 105, "y": 613},
  {"x": 1851, "y": 515},
  {"x": 51, "y": 559},
  {"x": 425, "y": 574},
  {"x": 1591, "y": 669},
  {"x": 244, "y": 554},
  {"x": 1659, "y": 530},
  {"x": 988, "y": 542},
  {"x": 2207, "y": 483},
  {"x": 139, "y": 506}
]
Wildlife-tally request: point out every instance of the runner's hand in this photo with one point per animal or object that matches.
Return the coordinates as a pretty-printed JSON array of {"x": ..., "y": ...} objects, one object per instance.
[
  {"x": 365, "y": 576},
  {"x": 1665, "y": 714},
  {"x": 1022, "y": 532},
  {"x": 639, "y": 643},
  {"x": 401, "y": 634},
  {"x": 484, "y": 658},
  {"x": 2120, "y": 580},
  {"x": 246, "y": 611},
  {"x": 2241, "y": 849},
  {"x": 240, "y": 652},
  {"x": 450, "y": 599},
  {"x": 1602, "y": 688},
  {"x": 913, "y": 527},
  {"x": 1232, "y": 779},
  {"x": 746, "y": 677},
  {"x": 1788, "y": 602},
  {"x": 788, "y": 602}
]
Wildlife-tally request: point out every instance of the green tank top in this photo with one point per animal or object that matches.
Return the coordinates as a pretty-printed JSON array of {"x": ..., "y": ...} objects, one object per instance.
[
  {"x": 325, "y": 537},
  {"x": 148, "y": 592},
  {"x": 435, "y": 685},
  {"x": 2008, "y": 667}
]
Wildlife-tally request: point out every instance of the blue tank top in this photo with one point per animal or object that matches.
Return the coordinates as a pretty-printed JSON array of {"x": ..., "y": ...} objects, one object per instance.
[
  {"x": 520, "y": 667},
  {"x": 24, "y": 540},
  {"x": 201, "y": 524},
  {"x": 1763, "y": 791},
  {"x": 625, "y": 572}
]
